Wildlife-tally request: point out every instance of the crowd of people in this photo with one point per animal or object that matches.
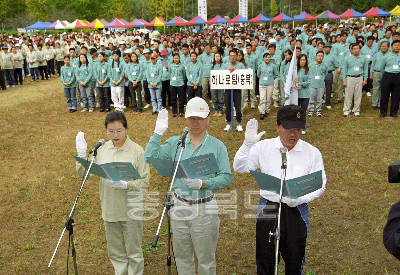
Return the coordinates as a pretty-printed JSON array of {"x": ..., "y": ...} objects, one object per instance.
[{"x": 125, "y": 69}]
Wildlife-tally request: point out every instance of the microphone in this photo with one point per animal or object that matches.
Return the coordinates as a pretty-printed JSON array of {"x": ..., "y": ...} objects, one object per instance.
[
  {"x": 283, "y": 151},
  {"x": 182, "y": 138},
  {"x": 100, "y": 143}
]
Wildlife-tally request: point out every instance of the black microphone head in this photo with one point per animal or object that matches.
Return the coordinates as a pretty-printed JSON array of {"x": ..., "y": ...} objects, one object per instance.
[
  {"x": 102, "y": 141},
  {"x": 186, "y": 130},
  {"x": 283, "y": 150}
]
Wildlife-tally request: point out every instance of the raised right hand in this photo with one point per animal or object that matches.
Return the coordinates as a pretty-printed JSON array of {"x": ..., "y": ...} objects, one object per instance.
[{"x": 162, "y": 122}]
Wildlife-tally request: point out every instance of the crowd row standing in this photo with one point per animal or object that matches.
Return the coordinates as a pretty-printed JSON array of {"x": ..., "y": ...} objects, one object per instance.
[{"x": 337, "y": 60}]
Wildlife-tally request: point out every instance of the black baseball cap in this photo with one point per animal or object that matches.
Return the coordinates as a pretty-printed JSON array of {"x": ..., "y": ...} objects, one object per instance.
[{"x": 291, "y": 116}]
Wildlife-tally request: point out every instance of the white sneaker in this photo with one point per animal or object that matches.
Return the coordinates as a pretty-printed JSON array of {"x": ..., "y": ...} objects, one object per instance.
[
  {"x": 124, "y": 107},
  {"x": 239, "y": 128},
  {"x": 319, "y": 114},
  {"x": 91, "y": 111},
  {"x": 357, "y": 114},
  {"x": 13, "y": 86},
  {"x": 303, "y": 132},
  {"x": 369, "y": 94},
  {"x": 253, "y": 106},
  {"x": 276, "y": 105},
  {"x": 83, "y": 110},
  {"x": 82, "y": 105},
  {"x": 310, "y": 114},
  {"x": 227, "y": 127},
  {"x": 147, "y": 106},
  {"x": 8, "y": 86},
  {"x": 98, "y": 105},
  {"x": 328, "y": 107}
]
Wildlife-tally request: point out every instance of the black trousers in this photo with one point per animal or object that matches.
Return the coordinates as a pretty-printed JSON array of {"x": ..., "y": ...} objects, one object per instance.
[
  {"x": 165, "y": 92},
  {"x": 43, "y": 72},
  {"x": 369, "y": 85},
  {"x": 192, "y": 92},
  {"x": 147, "y": 95},
  {"x": 26, "y": 70},
  {"x": 104, "y": 94},
  {"x": 18, "y": 76},
  {"x": 292, "y": 244},
  {"x": 328, "y": 88},
  {"x": 181, "y": 94},
  {"x": 136, "y": 94},
  {"x": 2, "y": 80},
  {"x": 50, "y": 67},
  {"x": 59, "y": 65},
  {"x": 237, "y": 102},
  {"x": 390, "y": 84},
  {"x": 127, "y": 95},
  {"x": 303, "y": 104}
]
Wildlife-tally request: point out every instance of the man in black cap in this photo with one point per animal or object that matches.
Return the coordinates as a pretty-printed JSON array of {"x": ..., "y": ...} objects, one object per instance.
[{"x": 302, "y": 159}]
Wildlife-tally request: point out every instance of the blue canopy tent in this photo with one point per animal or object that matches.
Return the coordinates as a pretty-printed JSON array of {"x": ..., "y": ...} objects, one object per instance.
[{"x": 38, "y": 25}]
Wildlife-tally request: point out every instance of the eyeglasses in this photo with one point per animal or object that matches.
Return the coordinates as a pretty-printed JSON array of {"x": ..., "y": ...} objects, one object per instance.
[
  {"x": 193, "y": 119},
  {"x": 296, "y": 130},
  {"x": 112, "y": 132}
]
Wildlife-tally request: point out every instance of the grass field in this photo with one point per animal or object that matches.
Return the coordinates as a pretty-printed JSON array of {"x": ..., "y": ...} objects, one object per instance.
[{"x": 39, "y": 184}]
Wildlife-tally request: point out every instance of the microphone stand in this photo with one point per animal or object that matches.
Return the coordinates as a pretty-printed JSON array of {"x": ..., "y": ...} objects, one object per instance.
[
  {"x": 278, "y": 227},
  {"x": 167, "y": 206},
  {"x": 69, "y": 224}
]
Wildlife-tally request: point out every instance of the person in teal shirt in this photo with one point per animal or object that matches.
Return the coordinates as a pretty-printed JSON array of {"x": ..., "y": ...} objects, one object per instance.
[
  {"x": 116, "y": 75},
  {"x": 206, "y": 61},
  {"x": 68, "y": 80},
  {"x": 317, "y": 74},
  {"x": 135, "y": 75},
  {"x": 332, "y": 64},
  {"x": 390, "y": 84},
  {"x": 217, "y": 95},
  {"x": 267, "y": 73},
  {"x": 368, "y": 51},
  {"x": 165, "y": 60},
  {"x": 304, "y": 83},
  {"x": 193, "y": 233},
  {"x": 194, "y": 75},
  {"x": 376, "y": 74},
  {"x": 84, "y": 75},
  {"x": 177, "y": 74},
  {"x": 283, "y": 72},
  {"x": 154, "y": 74},
  {"x": 233, "y": 65},
  {"x": 101, "y": 70}
]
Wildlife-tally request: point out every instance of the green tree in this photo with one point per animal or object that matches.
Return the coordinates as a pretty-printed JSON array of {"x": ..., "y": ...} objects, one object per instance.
[
  {"x": 274, "y": 9},
  {"x": 165, "y": 9}
]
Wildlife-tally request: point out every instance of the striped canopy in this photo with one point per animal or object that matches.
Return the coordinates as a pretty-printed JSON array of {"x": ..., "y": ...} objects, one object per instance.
[
  {"x": 259, "y": 18},
  {"x": 156, "y": 22}
]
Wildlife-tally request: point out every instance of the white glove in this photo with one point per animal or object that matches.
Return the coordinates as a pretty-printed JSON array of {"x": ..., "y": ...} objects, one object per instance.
[
  {"x": 118, "y": 184},
  {"x": 193, "y": 183},
  {"x": 162, "y": 122},
  {"x": 251, "y": 137},
  {"x": 81, "y": 145}
]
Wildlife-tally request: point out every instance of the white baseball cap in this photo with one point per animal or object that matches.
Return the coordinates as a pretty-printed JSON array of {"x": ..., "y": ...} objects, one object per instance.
[
  {"x": 17, "y": 45},
  {"x": 272, "y": 41},
  {"x": 197, "y": 107}
]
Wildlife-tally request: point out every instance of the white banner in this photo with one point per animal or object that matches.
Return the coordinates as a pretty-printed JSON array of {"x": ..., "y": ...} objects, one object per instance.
[
  {"x": 238, "y": 79},
  {"x": 292, "y": 83},
  {"x": 243, "y": 8},
  {"x": 202, "y": 9}
]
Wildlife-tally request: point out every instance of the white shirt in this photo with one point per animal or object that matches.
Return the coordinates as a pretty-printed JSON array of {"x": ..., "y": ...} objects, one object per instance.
[{"x": 303, "y": 159}]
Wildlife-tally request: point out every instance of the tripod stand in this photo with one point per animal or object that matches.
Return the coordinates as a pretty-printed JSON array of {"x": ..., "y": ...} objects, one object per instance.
[
  {"x": 167, "y": 206},
  {"x": 69, "y": 225}
]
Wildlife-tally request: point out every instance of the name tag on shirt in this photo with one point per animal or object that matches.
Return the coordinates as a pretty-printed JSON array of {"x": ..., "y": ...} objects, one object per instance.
[
  {"x": 395, "y": 67},
  {"x": 174, "y": 78},
  {"x": 134, "y": 73},
  {"x": 190, "y": 76},
  {"x": 164, "y": 69},
  {"x": 103, "y": 71},
  {"x": 117, "y": 70},
  {"x": 152, "y": 75},
  {"x": 356, "y": 69},
  {"x": 368, "y": 56},
  {"x": 185, "y": 67},
  {"x": 265, "y": 78},
  {"x": 69, "y": 73},
  {"x": 317, "y": 77},
  {"x": 341, "y": 53}
]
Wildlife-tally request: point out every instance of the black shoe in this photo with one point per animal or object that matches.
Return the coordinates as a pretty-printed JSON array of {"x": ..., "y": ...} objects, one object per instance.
[
  {"x": 139, "y": 111},
  {"x": 383, "y": 115},
  {"x": 261, "y": 116},
  {"x": 134, "y": 110},
  {"x": 175, "y": 115},
  {"x": 374, "y": 107},
  {"x": 154, "y": 113},
  {"x": 394, "y": 115},
  {"x": 181, "y": 114},
  {"x": 72, "y": 110},
  {"x": 101, "y": 110}
]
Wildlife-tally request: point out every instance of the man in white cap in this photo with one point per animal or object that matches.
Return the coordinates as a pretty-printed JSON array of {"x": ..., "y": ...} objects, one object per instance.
[{"x": 195, "y": 221}]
